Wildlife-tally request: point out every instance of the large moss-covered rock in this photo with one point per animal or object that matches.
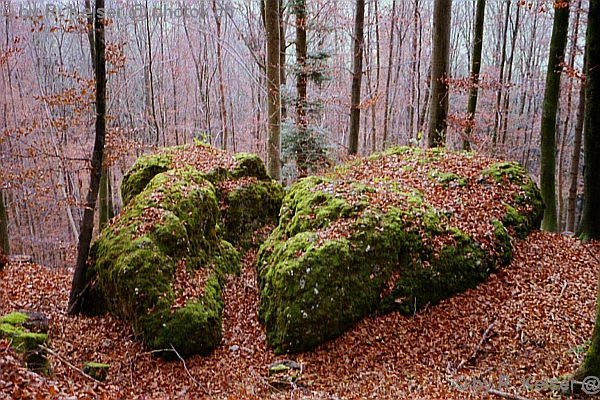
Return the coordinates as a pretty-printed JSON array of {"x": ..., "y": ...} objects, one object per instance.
[
  {"x": 398, "y": 231},
  {"x": 169, "y": 227}
]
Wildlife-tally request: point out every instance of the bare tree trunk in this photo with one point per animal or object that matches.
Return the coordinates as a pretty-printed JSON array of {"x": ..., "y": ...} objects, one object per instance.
[
  {"x": 4, "y": 245},
  {"x": 442, "y": 10},
  {"x": 273, "y": 95},
  {"x": 565, "y": 129},
  {"x": 386, "y": 116},
  {"x": 299, "y": 10},
  {"x": 357, "y": 62},
  {"x": 498, "y": 111},
  {"x": 575, "y": 158},
  {"x": 509, "y": 66},
  {"x": 224, "y": 121},
  {"x": 475, "y": 68},
  {"x": 549, "y": 109},
  {"x": 87, "y": 223},
  {"x": 151, "y": 77},
  {"x": 282, "y": 55}
]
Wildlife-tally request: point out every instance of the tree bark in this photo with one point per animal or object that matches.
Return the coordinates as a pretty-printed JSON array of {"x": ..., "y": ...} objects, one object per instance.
[
  {"x": 387, "y": 109},
  {"x": 299, "y": 10},
  {"x": 273, "y": 89},
  {"x": 475, "y": 69},
  {"x": 357, "y": 63},
  {"x": 4, "y": 245},
  {"x": 590, "y": 222},
  {"x": 498, "y": 110},
  {"x": 438, "y": 113},
  {"x": 549, "y": 110},
  {"x": 575, "y": 158},
  {"x": 87, "y": 223},
  {"x": 223, "y": 109}
]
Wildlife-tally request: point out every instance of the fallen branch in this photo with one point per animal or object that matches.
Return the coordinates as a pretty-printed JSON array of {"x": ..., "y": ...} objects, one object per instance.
[
  {"x": 69, "y": 364},
  {"x": 477, "y": 348},
  {"x": 189, "y": 373},
  {"x": 506, "y": 395}
]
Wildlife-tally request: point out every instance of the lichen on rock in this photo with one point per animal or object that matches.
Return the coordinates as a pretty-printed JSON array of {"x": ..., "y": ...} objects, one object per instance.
[{"x": 377, "y": 236}]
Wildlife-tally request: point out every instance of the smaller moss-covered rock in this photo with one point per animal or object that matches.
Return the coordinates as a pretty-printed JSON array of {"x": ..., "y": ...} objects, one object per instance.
[
  {"x": 95, "y": 370},
  {"x": 29, "y": 344}
]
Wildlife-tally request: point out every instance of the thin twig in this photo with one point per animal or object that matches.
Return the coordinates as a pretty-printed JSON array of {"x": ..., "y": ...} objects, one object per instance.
[
  {"x": 189, "y": 373},
  {"x": 69, "y": 364},
  {"x": 506, "y": 395},
  {"x": 477, "y": 348},
  {"x": 591, "y": 253}
]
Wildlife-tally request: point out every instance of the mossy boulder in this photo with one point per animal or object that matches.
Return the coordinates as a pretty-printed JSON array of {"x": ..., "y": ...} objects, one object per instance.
[
  {"x": 161, "y": 263},
  {"x": 28, "y": 337},
  {"x": 98, "y": 371},
  {"x": 377, "y": 237},
  {"x": 249, "y": 198},
  {"x": 170, "y": 226}
]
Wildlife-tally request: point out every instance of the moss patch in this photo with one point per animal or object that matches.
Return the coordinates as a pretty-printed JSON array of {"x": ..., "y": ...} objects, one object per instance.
[
  {"x": 142, "y": 172},
  {"x": 28, "y": 344}
]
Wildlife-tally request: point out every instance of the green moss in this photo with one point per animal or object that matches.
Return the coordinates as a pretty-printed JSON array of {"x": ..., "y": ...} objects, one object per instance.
[
  {"x": 96, "y": 370},
  {"x": 134, "y": 263},
  {"x": 446, "y": 179},
  {"x": 249, "y": 207},
  {"x": 249, "y": 165},
  {"x": 378, "y": 260},
  {"x": 142, "y": 172},
  {"x": 28, "y": 344},
  {"x": 14, "y": 318}
]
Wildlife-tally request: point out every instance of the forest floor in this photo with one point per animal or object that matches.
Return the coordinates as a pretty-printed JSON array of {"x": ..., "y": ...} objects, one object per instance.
[{"x": 525, "y": 325}]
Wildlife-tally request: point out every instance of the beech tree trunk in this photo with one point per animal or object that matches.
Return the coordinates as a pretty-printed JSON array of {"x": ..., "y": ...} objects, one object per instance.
[
  {"x": 87, "y": 222},
  {"x": 590, "y": 224},
  {"x": 3, "y": 225},
  {"x": 273, "y": 89},
  {"x": 438, "y": 113},
  {"x": 575, "y": 158},
  {"x": 223, "y": 109},
  {"x": 549, "y": 110},
  {"x": 357, "y": 63},
  {"x": 475, "y": 69},
  {"x": 301, "y": 82}
]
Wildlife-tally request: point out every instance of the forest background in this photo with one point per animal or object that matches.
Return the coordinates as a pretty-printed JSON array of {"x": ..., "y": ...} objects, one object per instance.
[{"x": 175, "y": 79}]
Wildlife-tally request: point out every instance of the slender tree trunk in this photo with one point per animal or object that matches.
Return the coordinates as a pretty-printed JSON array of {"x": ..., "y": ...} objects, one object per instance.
[
  {"x": 498, "y": 110},
  {"x": 104, "y": 200},
  {"x": 273, "y": 95},
  {"x": 301, "y": 82},
  {"x": 357, "y": 63},
  {"x": 549, "y": 109},
  {"x": 151, "y": 77},
  {"x": 590, "y": 223},
  {"x": 475, "y": 69},
  {"x": 282, "y": 56},
  {"x": 387, "y": 110},
  {"x": 442, "y": 10},
  {"x": 4, "y": 245},
  {"x": 575, "y": 158},
  {"x": 565, "y": 129},
  {"x": 509, "y": 66},
  {"x": 87, "y": 223},
  {"x": 221, "y": 79}
]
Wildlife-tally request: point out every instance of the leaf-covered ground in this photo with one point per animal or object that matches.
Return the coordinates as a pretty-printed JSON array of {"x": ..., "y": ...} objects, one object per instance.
[{"x": 529, "y": 321}]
